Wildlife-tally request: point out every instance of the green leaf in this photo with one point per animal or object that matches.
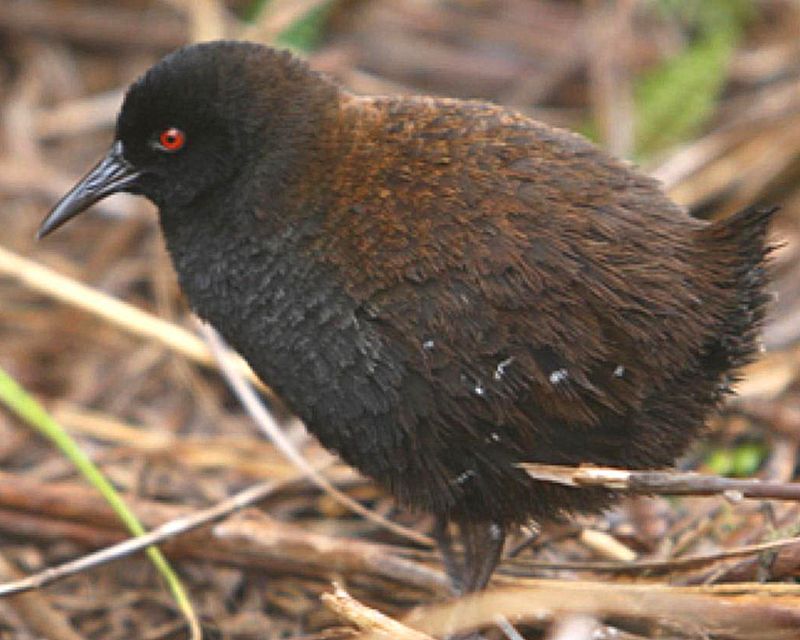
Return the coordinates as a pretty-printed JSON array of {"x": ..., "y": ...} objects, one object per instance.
[
  {"x": 254, "y": 10},
  {"x": 676, "y": 98},
  {"x": 302, "y": 35},
  {"x": 305, "y": 34},
  {"x": 673, "y": 101},
  {"x": 740, "y": 461},
  {"x": 720, "y": 462},
  {"x": 747, "y": 458}
]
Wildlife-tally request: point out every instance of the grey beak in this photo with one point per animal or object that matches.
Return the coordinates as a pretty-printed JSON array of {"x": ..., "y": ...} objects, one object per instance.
[{"x": 111, "y": 175}]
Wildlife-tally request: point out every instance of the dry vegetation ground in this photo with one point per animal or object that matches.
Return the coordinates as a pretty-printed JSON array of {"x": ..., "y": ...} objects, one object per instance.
[{"x": 165, "y": 429}]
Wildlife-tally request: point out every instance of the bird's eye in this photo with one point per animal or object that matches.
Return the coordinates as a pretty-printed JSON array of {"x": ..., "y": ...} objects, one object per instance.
[{"x": 172, "y": 139}]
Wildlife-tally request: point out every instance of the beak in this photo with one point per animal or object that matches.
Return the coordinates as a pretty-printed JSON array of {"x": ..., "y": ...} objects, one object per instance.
[{"x": 111, "y": 175}]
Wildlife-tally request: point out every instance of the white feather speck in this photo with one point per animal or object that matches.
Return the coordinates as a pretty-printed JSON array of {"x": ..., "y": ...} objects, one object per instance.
[
  {"x": 469, "y": 473},
  {"x": 558, "y": 376},
  {"x": 500, "y": 371}
]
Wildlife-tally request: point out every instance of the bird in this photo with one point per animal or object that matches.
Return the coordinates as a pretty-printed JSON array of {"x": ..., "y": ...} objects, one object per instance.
[{"x": 441, "y": 289}]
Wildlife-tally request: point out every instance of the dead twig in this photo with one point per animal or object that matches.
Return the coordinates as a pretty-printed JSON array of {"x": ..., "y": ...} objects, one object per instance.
[
  {"x": 663, "y": 482},
  {"x": 791, "y": 545},
  {"x": 59, "y": 511},
  {"x": 116, "y": 312},
  {"x": 241, "y": 500},
  {"x": 607, "y": 545},
  {"x": 367, "y": 619},
  {"x": 696, "y": 612},
  {"x": 36, "y": 610}
]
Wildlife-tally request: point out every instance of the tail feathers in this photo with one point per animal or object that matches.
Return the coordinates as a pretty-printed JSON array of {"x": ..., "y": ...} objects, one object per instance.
[
  {"x": 743, "y": 233},
  {"x": 738, "y": 250}
]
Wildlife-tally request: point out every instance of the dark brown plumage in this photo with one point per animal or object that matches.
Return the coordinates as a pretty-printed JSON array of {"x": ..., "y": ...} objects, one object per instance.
[{"x": 440, "y": 289}]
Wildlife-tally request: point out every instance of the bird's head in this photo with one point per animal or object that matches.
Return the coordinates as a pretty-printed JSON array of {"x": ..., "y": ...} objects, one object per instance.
[{"x": 191, "y": 122}]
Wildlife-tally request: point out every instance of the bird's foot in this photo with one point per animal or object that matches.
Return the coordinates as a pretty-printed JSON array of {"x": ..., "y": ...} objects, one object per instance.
[{"x": 483, "y": 545}]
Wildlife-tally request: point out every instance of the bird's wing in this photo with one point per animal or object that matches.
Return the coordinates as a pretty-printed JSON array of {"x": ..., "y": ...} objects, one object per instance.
[{"x": 511, "y": 261}]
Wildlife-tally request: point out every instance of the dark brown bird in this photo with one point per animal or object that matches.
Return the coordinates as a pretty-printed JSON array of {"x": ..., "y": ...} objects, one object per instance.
[{"x": 440, "y": 289}]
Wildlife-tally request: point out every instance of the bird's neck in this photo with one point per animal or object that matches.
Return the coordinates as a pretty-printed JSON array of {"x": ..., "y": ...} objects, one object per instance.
[{"x": 258, "y": 233}]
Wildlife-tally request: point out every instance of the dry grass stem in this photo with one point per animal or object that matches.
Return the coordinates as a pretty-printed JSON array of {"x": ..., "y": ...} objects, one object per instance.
[
  {"x": 368, "y": 619},
  {"x": 688, "y": 610},
  {"x": 114, "y": 311}
]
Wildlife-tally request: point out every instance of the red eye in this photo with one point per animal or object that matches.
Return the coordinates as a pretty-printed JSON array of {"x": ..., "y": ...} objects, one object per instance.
[{"x": 172, "y": 139}]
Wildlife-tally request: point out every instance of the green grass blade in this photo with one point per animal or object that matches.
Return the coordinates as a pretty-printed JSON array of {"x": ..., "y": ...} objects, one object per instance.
[
  {"x": 31, "y": 412},
  {"x": 303, "y": 34}
]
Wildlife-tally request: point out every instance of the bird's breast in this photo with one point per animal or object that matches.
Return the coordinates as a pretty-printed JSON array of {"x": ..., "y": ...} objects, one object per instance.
[{"x": 294, "y": 323}]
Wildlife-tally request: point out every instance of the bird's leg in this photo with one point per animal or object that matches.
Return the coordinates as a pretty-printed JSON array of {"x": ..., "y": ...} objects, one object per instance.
[
  {"x": 483, "y": 546},
  {"x": 453, "y": 568}
]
